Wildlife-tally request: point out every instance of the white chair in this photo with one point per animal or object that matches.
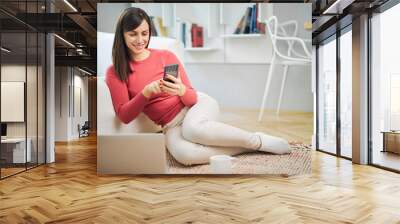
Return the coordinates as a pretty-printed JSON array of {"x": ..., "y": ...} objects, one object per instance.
[
  {"x": 134, "y": 148},
  {"x": 279, "y": 34}
]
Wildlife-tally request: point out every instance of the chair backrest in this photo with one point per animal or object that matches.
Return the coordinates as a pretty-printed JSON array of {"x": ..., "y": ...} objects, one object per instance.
[
  {"x": 275, "y": 29},
  {"x": 280, "y": 31},
  {"x": 107, "y": 122}
]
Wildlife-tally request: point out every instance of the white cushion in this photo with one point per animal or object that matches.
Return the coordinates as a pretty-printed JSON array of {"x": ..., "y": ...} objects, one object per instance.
[
  {"x": 170, "y": 44},
  {"x": 108, "y": 123}
]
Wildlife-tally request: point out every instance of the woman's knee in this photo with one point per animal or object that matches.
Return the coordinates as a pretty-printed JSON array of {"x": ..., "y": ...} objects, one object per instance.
[
  {"x": 192, "y": 130},
  {"x": 194, "y": 127}
]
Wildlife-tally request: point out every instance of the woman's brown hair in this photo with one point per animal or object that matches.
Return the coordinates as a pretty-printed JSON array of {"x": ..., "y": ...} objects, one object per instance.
[{"x": 129, "y": 20}]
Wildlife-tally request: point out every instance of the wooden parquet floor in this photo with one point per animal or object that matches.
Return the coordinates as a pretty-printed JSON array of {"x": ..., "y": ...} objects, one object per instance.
[{"x": 70, "y": 191}]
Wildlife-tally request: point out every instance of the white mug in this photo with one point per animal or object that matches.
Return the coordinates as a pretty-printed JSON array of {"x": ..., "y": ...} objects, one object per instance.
[{"x": 221, "y": 164}]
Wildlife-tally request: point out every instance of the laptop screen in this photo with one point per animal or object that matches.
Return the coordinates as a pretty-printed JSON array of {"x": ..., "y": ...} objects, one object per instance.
[{"x": 3, "y": 129}]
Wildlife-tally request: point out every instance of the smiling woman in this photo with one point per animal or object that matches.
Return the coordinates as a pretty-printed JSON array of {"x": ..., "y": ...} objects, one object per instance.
[
  {"x": 132, "y": 36},
  {"x": 189, "y": 120}
]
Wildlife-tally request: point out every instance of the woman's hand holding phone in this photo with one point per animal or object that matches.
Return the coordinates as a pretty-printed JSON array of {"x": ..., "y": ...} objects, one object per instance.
[
  {"x": 152, "y": 88},
  {"x": 174, "y": 86}
]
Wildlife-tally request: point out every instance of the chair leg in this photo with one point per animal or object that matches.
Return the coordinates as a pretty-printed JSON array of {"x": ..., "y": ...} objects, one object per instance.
[
  {"x": 267, "y": 84},
  {"x": 286, "y": 68}
]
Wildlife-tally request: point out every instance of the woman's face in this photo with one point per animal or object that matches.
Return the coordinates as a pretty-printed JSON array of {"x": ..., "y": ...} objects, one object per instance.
[{"x": 137, "y": 39}]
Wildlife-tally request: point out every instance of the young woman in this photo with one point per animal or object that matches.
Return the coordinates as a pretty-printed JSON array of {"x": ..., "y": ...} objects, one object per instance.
[{"x": 189, "y": 120}]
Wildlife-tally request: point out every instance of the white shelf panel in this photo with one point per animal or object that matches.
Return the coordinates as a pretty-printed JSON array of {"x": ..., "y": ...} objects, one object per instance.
[
  {"x": 194, "y": 49},
  {"x": 252, "y": 35}
]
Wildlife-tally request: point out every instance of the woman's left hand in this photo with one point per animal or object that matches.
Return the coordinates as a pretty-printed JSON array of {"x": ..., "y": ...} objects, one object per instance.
[{"x": 173, "y": 87}]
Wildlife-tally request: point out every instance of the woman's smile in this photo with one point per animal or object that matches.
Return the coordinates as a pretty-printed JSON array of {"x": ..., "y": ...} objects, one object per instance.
[{"x": 139, "y": 46}]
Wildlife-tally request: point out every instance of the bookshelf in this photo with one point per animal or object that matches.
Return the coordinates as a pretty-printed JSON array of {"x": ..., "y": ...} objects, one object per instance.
[
  {"x": 219, "y": 21},
  {"x": 231, "y": 14},
  {"x": 204, "y": 15}
]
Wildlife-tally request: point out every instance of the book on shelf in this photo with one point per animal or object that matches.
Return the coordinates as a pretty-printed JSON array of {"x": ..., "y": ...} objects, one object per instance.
[
  {"x": 190, "y": 34},
  {"x": 248, "y": 23},
  {"x": 252, "y": 16},
  {"x": 162, "y": 27},
  {"x": 183, "y": 34},
  {"x": 261, "y": 27},
  {"x": 246, "y": 28},
  {"x": 159, "y": 28},
  {"x": 197, "y": 35},
  {"x": 239, "y": 26},
  {"x": 181, "y": 31},
  {"x": 254, "y": 19}
]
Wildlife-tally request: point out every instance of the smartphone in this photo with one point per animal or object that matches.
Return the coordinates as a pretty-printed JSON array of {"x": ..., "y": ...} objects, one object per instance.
[{"x": 172, "y": 70}]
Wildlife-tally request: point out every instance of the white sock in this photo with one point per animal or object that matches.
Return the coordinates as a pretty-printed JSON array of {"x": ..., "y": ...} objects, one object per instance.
[{"x": 269, "y": 143}]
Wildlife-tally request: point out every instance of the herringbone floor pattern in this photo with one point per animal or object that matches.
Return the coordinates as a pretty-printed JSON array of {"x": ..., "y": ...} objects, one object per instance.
[{"x": 70, "y": 191}]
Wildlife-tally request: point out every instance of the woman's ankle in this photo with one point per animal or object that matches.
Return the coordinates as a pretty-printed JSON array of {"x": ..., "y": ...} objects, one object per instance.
[{"x": 272, "y": 144}]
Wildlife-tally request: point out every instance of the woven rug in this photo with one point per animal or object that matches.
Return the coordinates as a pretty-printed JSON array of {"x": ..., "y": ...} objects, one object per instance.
[{"x": 296, "y": 163}]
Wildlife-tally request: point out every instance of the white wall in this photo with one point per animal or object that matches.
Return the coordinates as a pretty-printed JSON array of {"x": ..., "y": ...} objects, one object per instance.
[
  {"x": 108, "y": 14},
  {"x": 16, "y": 72},
  {"x": 291, "y": 11},
  {"x": 242, "y": 85},
  {"x": 61, "y": 103},
  {"x": 65, "y": 119},
  {"x": 33, "y": 127}
]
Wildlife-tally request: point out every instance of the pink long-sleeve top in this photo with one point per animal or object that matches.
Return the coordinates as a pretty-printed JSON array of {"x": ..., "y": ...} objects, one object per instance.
[{"x": 128, "y": 99}]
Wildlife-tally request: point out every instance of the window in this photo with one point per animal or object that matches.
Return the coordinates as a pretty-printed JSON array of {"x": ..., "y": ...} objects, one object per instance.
[
  {"x": 385, "y": 88},
  {"x": 395, "y": 102},
  {"x": 22, "y": 66},
  {"x": 327, "y": 96},
  {"x": 346, "y": 93}
]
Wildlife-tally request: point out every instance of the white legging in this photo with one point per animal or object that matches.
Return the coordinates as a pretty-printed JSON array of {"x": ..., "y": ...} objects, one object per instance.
[{"x": 195, "y": 134}]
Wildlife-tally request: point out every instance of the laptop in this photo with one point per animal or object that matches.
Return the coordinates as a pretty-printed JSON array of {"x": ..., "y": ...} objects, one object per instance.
[{"x": 143, "y": 153}]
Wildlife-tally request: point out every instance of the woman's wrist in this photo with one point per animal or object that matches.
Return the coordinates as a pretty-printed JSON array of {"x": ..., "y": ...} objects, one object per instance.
[{"x": 182, "y": 90}]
